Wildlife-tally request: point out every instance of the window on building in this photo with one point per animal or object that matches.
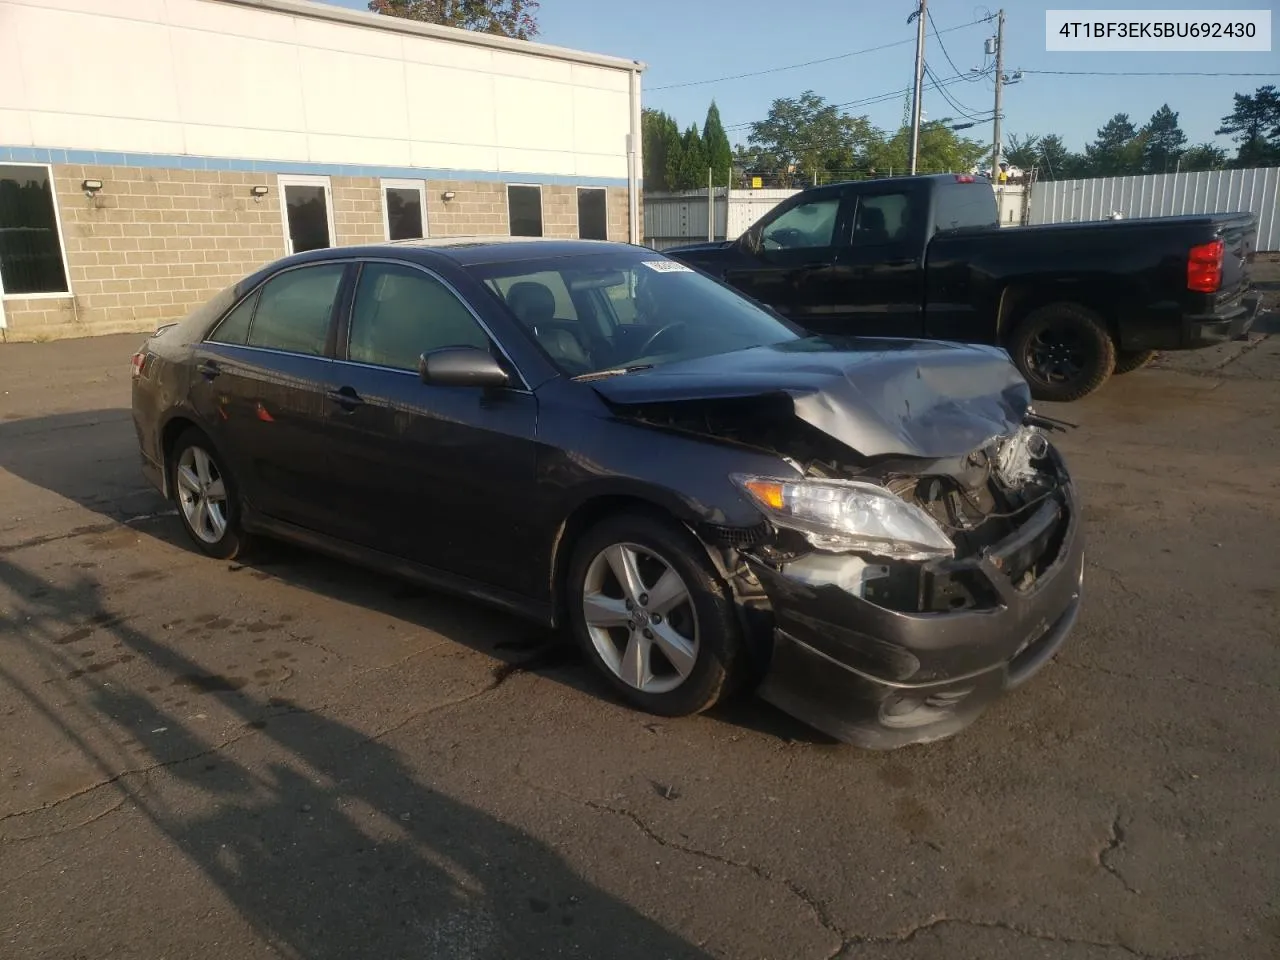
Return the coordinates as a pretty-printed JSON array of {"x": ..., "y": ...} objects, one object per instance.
[
  {"x": 30, "y": 247},
  {"x": 294, "y": 309},
  {"x": 401, "y": 313},
  {"x": 524, "y": 210},
  {"x": 404, "y": 204},
  {"x": 593, "y": 218},
  {"x": 308, "y": 213}
]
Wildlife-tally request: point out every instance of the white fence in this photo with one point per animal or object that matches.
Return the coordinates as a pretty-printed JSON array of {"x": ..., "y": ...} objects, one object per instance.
[
  {"x": 1164, "y": 195},
  {"x": 675, "y": 218}
]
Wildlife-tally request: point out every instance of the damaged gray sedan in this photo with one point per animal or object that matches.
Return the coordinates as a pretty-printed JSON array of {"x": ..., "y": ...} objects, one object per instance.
[{"x": 877, "y": 535}]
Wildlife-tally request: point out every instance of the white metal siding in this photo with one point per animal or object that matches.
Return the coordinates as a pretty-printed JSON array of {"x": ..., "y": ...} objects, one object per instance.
[
  {"x": 671, "y": 218},
  {"x": 302, "y": 82},
  {"x": 1165, "y": 195}
]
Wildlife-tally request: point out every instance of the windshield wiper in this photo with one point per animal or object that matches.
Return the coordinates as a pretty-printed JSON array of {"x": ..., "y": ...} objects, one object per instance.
[{"x": 615, "y": 372}]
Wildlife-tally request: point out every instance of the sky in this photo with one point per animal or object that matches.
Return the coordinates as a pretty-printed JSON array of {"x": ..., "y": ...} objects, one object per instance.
[{"x": 696, "y": 40}]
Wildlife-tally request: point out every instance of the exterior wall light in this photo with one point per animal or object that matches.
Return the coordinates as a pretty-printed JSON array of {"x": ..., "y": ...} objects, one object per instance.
[
  {"x": 258, "y": 193},
  {"x": 91, "y": 187},
  {"x": 448, "y": 195}
]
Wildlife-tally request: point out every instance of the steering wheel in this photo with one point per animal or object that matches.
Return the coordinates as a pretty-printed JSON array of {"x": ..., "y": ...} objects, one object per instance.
[
  {"x": 648, "y": 344},
  {"x": 782, "y": 238}
]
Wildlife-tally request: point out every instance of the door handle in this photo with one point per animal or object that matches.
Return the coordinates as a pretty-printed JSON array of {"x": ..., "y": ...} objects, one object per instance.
[
  {"x": 208, "y": 369},
  {"x": 346, "y": 398}
]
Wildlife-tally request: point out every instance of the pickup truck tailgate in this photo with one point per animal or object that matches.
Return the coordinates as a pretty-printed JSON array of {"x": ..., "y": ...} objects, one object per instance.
[{"x": 1239, "y": 234}]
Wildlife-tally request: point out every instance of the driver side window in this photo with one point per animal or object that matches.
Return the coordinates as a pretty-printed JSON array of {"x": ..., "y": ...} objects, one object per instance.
[{"x": 805, "y": 226}]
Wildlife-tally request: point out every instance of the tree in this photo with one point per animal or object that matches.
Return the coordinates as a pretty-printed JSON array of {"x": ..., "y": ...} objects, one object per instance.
[
  {"x": 691, "y": 166},
  {"x": 716, "y": 143},
  {"x": 1056, "y": 161},
  {"x": 1255, "y": 125},
  {"x": 812, "y": 136},
  {"x": 1023, "y": 152},
  {"x": 659, "y": 136},
  {"x": 1203, "y": 156},
  {"x": 1118, "y": 150},
  {"x": 939, "y": 151},
  {"x": 1165, "y": 142},
  {"x": 507, "y": 18}
]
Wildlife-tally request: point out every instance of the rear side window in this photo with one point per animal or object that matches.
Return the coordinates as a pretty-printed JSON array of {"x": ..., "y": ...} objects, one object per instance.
[
  {"x": 964, "y": 205},
  {"x": 884, "y": 218},
  {"x": 294, "y": 309},
  {"x": 234, "y": 327},
  {"x": 401, "y": 313}
]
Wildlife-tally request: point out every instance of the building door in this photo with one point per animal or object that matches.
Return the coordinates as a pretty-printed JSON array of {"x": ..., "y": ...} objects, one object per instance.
[{"x": 306, "y": 205}]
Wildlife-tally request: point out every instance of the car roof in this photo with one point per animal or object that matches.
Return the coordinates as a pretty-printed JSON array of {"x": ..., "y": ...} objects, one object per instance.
[{"x": 466, "y": 251}]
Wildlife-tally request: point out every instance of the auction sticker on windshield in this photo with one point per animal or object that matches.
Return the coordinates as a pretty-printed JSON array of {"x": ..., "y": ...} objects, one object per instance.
[
  {"x": 666, "y": 266},
  {"x": 1167, "y": 31}
]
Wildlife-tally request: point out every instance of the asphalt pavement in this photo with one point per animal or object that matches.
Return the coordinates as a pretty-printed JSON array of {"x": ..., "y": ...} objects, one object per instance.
[{"x": 292, "y": 757}]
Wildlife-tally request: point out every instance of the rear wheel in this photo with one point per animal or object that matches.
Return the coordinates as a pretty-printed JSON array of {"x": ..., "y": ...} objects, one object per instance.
[
  {"x": 206, "y": 495},
  {"x": 1129, "y": 360},
  {"x": 652, "y": 614},
  {"x": 1064, "y": 350}
]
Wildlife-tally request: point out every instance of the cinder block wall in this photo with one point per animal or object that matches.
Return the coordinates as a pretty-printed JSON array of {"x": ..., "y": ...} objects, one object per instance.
[{"x": 155, "y": 242}]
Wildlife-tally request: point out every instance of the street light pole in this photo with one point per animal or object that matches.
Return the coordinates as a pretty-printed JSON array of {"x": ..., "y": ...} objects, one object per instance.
[{"x": 919, "y": 16}]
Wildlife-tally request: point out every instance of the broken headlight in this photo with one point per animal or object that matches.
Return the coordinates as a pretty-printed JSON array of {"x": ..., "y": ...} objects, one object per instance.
[{"x": 849, "y": 515}]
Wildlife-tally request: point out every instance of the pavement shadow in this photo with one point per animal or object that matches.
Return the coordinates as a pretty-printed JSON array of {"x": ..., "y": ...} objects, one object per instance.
[
  {"x": 91, "y": 458},
  {"x": 331, "y": 848}
]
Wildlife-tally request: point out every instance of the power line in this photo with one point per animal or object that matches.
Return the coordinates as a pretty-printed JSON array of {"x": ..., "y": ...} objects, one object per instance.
[
  {"x": 810, "y": 63},
  {"x": 1145, "y": 73},
  {"x": 967, "y": 112},
  {"x": 867, "y": 101},
  {"x": 943, "y": 47}
]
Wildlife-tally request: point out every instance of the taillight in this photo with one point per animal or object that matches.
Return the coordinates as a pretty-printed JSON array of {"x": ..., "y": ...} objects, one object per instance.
[
  {"x": 1204, "y": 267},
  {"x": 139, "y": 362},
  {"x": 965, "y": 178}
]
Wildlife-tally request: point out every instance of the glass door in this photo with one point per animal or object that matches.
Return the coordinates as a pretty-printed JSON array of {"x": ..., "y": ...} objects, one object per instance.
[{"x": 306, "y": 205}]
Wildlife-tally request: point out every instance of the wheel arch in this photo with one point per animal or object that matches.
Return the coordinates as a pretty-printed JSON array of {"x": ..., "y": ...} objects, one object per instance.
[{"x": 1017, "y": 301}]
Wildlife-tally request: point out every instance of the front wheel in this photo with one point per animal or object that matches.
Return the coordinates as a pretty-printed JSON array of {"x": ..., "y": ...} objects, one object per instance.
[
  {"x": 206, "y": 496},
  {"x": 650, "y": 611},
  {"x": 1064, "y": 351}
]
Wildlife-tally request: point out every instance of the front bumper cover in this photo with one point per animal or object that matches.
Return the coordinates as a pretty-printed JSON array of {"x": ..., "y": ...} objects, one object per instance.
[{"x": 882, "y": 679}]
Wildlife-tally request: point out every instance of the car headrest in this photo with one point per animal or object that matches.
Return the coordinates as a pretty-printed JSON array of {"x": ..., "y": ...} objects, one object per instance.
[{"x": 532, "y": 302}]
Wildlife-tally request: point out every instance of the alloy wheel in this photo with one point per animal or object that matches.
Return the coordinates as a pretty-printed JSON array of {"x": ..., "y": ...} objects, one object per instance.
[
  {"x": 1057, "y": 355},
  {"x": 202, "y": 494},
  {"x": 640, "y": 617}
]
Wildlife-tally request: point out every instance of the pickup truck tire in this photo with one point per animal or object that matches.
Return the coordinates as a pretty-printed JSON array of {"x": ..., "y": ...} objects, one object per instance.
[
  {"x": 1128, "y": 361},
  {"x": 1064, "y": 350}
]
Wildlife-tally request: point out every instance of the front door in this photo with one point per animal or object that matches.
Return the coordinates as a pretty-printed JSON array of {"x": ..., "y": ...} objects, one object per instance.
[
  {"x": 306, "y": 205},
  {"x": 882, "y": 270},
  {"x": 439, "y": 475},
  {"x": 262, "y": 381},
  {"x": 792, "y": 267}
]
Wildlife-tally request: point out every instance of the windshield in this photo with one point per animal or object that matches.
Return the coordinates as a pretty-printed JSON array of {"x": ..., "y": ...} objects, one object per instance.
[{"x": 612, "y": 312}]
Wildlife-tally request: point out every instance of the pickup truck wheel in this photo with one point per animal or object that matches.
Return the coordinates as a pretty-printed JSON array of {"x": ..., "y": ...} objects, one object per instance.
[
  {"x": 1064, "y": 351},
  {"x": 1129, "y": 360}
]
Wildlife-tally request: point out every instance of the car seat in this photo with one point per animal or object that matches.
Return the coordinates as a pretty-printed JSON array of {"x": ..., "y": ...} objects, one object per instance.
[{"x": 534, "y": 305}]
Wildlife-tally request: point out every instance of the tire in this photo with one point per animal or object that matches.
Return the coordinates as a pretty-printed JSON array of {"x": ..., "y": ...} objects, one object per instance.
[
  {"x": 1128, "y": 361},
  {"x": 674, "y": 680},
  {"x": 1063, "y": 350},
  {"x": 198, "y": 475}
]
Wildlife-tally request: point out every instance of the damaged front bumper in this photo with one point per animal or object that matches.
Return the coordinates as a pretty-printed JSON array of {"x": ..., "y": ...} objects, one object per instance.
[{"x": 880, "y": 678}]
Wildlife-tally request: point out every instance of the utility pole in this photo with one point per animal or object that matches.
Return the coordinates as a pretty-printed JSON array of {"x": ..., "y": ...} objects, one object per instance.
[
  {"x": 995, "y": 137},
  {"x": 919, "y": 16}
]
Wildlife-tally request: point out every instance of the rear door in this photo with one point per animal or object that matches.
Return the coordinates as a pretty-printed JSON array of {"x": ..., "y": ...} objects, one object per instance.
[
  {"x": 792, "y": 268},
  {"x": 262, "y": 380},
  {"x": 437, "y": 474},
  {"x": 881, "y": 271}
]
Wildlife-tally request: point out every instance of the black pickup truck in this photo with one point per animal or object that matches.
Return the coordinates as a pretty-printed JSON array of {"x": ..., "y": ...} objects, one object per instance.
[{"x": 924, "y": 257}]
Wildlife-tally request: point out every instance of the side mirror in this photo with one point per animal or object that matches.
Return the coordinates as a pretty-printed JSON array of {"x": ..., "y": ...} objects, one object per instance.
[
  {"x": 461, "y": 367},
  {"x": 751, "y": 239}
]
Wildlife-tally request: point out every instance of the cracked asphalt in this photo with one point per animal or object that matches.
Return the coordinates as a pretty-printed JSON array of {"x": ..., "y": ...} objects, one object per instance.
[{"x": 296, "y": 758}]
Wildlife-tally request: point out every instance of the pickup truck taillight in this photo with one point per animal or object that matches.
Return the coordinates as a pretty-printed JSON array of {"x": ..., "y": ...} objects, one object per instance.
[{"x": 1204, "y": 267}]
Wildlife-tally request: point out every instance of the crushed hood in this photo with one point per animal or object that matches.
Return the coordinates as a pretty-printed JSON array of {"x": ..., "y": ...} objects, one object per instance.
[{"x": 879, "y": 397}]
